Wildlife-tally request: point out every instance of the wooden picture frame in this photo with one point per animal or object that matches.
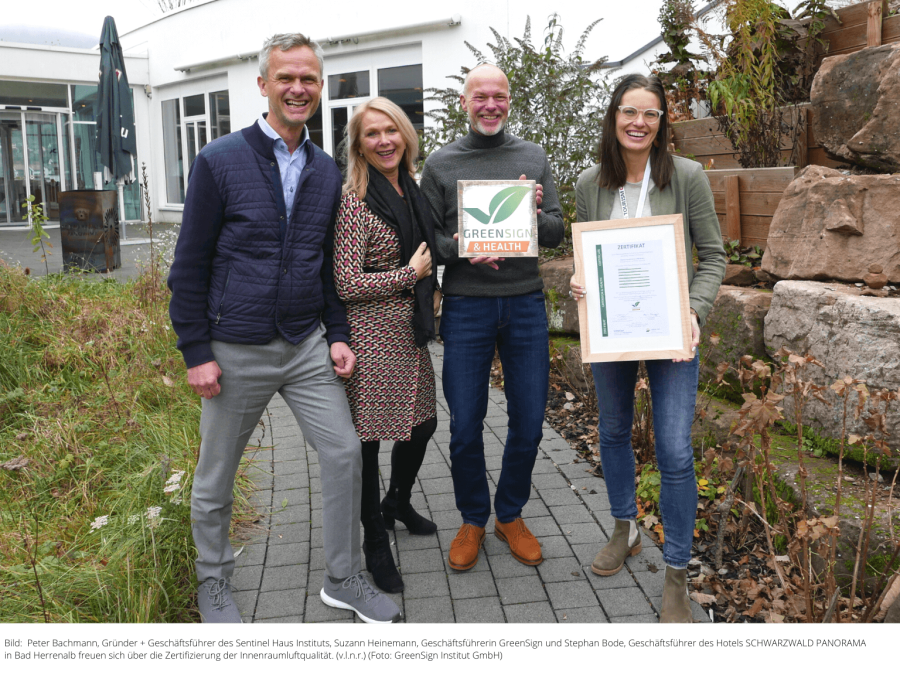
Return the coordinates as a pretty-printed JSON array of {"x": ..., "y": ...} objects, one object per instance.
[
  {"x": 637, "y": 302},
  {"x": 503, "y": 213}
]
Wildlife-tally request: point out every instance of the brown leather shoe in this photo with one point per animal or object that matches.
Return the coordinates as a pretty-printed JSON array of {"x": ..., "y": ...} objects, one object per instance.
[
  {"x": 464, "y": 547},
  {"x": 523, "y": 545}
]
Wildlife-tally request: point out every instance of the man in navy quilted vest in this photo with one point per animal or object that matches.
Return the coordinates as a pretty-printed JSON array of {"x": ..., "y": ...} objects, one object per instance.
[{"x": 256, "y": 312}]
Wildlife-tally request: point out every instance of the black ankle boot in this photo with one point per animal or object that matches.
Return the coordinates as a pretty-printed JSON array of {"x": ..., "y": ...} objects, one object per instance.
[
  {"x": 391, "y": 510},
  {"x": 380, "y": 562}
]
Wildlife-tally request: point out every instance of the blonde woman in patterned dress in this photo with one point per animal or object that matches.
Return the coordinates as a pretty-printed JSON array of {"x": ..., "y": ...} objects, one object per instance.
[{"x": 383, "y": 240}]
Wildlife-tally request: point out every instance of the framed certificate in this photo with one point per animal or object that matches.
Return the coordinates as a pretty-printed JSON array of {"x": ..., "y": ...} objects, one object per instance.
[
  {"x": 637, "y": 304},
  {"x": 497, "y": 218}
]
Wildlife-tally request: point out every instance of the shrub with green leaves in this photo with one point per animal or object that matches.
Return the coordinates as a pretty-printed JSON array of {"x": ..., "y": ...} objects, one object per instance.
[
  {"x": 34, "y": 214},
  {"x": 684, "y": 82},
  {"x": 767, "y": 61},
  {"x": 557, "y": 100},
  {"x": 749, "y": 256}
]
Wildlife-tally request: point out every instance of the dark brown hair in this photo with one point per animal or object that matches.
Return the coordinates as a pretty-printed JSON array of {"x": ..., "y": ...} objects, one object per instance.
[{"x": 612, "y": 165}]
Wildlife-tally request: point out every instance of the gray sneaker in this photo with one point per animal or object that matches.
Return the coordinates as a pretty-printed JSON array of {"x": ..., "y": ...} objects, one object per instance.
[
  {"x": 355, "y": 593},
  {"x": 215, "y": 602}
]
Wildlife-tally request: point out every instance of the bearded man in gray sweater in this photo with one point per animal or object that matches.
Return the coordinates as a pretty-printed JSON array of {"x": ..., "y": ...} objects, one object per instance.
[{"x": 492, "y": 303}]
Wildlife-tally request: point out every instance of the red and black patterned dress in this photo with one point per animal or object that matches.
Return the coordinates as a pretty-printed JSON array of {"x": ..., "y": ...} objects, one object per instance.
[{"x": 392, "y": 387}]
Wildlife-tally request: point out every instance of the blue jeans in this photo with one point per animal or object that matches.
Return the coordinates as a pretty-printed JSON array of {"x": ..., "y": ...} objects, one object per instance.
[
  {"x": 471, "y": 328},
  {"x": 673, "y": 390}
]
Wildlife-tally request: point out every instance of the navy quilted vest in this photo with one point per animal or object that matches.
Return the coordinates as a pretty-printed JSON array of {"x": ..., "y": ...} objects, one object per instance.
[{"x": 265, "y": 274}]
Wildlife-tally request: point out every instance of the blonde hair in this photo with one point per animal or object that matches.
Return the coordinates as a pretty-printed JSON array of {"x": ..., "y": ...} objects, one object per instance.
[{"x": 357, "y": 166}]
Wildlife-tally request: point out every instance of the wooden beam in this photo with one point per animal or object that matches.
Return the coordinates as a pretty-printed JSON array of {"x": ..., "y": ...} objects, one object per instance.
[
  {"x": 774, "y": 179},
  {"x": 754, "y": 229},
  {"x": 873, "y": 23},
  {"x": 853, "y": 15},
  {"x": 733, "y": 208},
  {"x": 752, "y": 203}
]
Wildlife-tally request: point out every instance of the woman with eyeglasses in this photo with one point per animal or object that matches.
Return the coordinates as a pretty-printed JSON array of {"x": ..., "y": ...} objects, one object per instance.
[{"x": 638, "y": 177}]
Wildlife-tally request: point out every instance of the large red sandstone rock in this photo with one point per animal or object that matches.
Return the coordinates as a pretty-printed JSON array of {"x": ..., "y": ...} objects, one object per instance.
[
  {"x": 848, "y": 333},
  {"x": 856, "y": 98},
  {"x": 832, "y": 226},
  {"x": 738, "y": 275},
  {"x": 737, "y": 319}
]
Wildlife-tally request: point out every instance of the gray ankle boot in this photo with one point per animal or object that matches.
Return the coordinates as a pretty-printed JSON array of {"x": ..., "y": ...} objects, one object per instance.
[
  {"x": 676, "y": 607},
  {"x": 612, "y": 556}
]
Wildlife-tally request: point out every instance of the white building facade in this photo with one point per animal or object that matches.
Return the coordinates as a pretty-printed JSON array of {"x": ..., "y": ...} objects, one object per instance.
[
  {"x": 193, "y": 76},
  {"x": 48, "y": 141}
]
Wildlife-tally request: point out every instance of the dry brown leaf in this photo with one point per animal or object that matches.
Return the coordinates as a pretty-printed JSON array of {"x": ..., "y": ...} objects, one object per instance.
[
  {"x": 703, "y": 598},
  {"x": 758, "y": 604},
  {"x": 16, "y": 464}
]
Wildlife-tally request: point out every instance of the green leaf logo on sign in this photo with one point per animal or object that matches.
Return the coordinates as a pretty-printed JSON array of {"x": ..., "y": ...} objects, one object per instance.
[{"x": 502, "y": 206}]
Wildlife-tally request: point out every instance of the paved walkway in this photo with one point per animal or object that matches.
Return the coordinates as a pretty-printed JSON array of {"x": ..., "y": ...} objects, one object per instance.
[
  {"x": 16, "y": 249},
  {"x": 280, "y": 571}
]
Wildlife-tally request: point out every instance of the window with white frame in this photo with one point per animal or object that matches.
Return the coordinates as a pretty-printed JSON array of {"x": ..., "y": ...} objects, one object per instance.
[
  {"x": 350, "y": 79},
  {"x": 189, "y": 123}
]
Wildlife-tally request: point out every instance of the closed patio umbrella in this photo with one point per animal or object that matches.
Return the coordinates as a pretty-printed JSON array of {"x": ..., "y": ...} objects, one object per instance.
[{"x": 114, "y": 113}]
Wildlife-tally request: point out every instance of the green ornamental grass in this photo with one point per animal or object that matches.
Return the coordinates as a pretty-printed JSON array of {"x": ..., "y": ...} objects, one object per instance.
[{"x": 98, "y": 442}]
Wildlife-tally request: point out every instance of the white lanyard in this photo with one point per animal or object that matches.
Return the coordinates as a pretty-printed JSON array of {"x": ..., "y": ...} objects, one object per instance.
[{"x": 641, "y": 199}]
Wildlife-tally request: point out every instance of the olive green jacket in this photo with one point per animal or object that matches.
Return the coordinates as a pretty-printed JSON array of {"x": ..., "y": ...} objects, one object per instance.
[{"x": 688, "y": 194}]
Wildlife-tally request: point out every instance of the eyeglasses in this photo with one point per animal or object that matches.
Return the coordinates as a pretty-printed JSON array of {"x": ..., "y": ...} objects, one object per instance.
[{"x": 651, "y": 115}]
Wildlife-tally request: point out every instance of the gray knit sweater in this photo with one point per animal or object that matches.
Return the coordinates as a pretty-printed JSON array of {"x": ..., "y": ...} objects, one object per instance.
[{"x": 499, "y": 157}]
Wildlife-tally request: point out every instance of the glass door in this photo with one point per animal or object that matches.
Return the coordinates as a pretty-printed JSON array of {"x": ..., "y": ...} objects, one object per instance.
[
  {"x": 44, "y": 165},
  {"x": 340, "y": 115},
  {"x": 345, "y": 91},
  {"x": 5, "y": 178},
  {"x": 195, "y": 125},
  {"x": 13, "y": 186},
  {"x": 196, "y": 139}
]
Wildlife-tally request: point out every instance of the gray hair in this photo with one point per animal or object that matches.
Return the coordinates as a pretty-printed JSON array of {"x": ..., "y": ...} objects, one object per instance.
[{"x": 286, "y": 41}]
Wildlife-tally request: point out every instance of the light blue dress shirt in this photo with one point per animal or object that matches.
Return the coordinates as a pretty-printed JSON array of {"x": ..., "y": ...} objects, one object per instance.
[{"x": 289, "y": 165}]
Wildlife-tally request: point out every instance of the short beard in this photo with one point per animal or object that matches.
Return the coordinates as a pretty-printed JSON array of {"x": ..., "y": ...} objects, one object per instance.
[{"x": 477, "y": 126}]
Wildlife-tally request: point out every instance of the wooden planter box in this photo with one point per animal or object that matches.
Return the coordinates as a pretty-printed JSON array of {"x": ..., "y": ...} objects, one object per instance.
[
  {"x": 746, "y": 200},
  {"x": 863, "y": 25},
  {"x": 703, "y": 141}
]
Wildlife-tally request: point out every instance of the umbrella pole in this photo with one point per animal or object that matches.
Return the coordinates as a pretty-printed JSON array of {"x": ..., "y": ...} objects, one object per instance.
[{"x": 120, "y": 186}]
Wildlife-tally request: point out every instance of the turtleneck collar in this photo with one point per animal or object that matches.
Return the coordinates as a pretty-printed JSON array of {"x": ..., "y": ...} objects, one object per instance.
[{"x": 482, "y": 142}]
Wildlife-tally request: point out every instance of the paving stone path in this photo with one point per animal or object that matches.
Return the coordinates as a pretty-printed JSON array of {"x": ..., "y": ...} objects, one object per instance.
[{"x": 280, "y": 569}]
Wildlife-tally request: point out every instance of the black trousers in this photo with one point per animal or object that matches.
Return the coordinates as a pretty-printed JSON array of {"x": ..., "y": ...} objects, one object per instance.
[{"x": 406, "y": 460}]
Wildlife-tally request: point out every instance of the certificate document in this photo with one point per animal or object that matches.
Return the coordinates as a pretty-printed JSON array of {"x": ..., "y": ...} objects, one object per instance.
[{"x": 637, "y": 303}]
